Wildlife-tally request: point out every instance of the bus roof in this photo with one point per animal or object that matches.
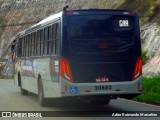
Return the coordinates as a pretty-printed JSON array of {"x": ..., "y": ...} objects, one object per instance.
[
  {"x": 109, "y": 10},
  {"x": 46, "y": 20},
  {"x": 83, "y": 11},
  {"x": 100, "y": 11},
  {"x": 50, "y": 18}
]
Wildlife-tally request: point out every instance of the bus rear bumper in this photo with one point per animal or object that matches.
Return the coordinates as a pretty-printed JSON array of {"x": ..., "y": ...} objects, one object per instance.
[{"x": 118, "y": 89}]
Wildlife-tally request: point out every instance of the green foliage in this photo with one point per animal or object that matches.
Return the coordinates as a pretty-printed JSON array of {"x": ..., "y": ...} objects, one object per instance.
[
  {"x": 152, "y": 3},
  {"x": 149, "y": 97},
  {"x": 151, "y": 85},
  {"x": 151, "y": 90},
  {"x": 150, "y": 11},
  {"x": 7, "y": 77},
  {"x": 144, "y": 57}
]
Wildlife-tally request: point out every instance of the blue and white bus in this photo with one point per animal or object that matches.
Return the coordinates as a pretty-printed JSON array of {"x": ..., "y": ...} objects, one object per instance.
[{"x": 92, "y": 54}]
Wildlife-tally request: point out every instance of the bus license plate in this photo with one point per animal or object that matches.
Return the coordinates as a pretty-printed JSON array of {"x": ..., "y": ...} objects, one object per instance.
[{"x": 103, "y": 87}]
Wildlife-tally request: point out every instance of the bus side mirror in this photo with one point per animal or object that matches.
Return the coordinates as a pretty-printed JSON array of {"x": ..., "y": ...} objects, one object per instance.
[{"x": 12, "y": 48}]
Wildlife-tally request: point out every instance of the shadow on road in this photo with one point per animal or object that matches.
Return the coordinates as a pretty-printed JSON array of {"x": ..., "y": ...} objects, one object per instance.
[{"x": 75, "y": 105}]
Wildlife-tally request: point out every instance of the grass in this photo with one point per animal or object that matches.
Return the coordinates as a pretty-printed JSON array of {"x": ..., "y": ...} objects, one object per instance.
[{"x": 151, "y": 90}]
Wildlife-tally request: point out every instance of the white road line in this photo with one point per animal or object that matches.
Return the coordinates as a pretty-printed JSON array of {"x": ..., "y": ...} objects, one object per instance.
[{"x": 140, "y": 103}]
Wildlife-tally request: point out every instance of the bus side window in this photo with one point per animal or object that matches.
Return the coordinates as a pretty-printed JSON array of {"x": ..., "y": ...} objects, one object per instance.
[
  {"x": 27, "y": 49},
  {"x": 39, "y": 43},
  {"x": 41, "y": 39},
  {"x": 24, "y": 46},
  {"x": 33, "y": 50},
  {"x": 29, "y": 45},
  {"x": 49, "y": 40},
  {"x": 45, "y": 41},
  {"x": 57, "y": 38},
  {"x": 20, "y": 47},
  {"x": 34, "y": 44},
  {"x": 55, "y": 32},
  {"x": 52, "y": 46}
]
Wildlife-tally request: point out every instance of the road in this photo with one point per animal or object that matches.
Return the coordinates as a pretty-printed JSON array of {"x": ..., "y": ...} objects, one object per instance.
[{"x": 12, "y": 100}]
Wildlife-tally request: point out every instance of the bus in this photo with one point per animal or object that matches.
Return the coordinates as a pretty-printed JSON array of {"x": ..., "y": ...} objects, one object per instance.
[{"x": 89, "y": 54}]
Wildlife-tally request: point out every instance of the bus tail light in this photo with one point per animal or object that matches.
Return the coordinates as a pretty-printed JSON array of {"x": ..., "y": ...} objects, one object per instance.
[
  {"x": 69, "y": 13},
  {"x": 131, "y": 13},
  {"x": 65, "y": 70},
  {"x": 138, "y": 68}
]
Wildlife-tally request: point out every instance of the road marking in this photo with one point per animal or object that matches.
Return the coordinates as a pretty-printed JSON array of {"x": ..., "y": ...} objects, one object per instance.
[{"x": 140, "y": 102}]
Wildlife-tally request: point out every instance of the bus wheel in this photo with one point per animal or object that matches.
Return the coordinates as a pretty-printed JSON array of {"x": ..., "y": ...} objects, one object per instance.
[
  {"x": 23, "y": 91},
  {"x": 42, "y": 101}
]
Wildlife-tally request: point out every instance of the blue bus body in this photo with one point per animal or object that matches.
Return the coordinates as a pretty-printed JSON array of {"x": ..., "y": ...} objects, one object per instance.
[{"x": 104, "y": 48}]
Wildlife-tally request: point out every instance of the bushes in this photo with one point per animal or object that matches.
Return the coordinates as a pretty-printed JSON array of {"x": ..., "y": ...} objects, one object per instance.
[
  {"x": 149, "y": 97},
  {"x": 6, "y": 76},
  {"x": 151, "y": 5},
  {"x": 151, "y": 90},
  {"x": 151, "y": 85},
  {"x": 144, "y": 57}
]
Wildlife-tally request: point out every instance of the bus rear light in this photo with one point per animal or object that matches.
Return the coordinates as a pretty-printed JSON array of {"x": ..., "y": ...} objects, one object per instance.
[
  {"x": 128, "y": 13},
  {"x": 65, "y": 70},
  {"x": 138, "y": 69},
  {"x": 69, "y": 13},
  {"x": 131, "y": 13}
]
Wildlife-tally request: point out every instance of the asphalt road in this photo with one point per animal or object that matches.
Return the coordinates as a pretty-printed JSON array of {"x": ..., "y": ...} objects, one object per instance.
[{"x": 12, "y": 100}]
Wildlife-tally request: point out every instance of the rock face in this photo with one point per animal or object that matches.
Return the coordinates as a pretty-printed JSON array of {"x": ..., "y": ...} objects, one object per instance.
[
  {"x": 17, "y": 15},
  {"x": 150, "y": 34},
  {"x": 20, "y": 14}
]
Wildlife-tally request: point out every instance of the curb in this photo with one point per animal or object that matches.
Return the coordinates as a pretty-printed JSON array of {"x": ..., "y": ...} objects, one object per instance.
[{"x": 154, "y": 104}]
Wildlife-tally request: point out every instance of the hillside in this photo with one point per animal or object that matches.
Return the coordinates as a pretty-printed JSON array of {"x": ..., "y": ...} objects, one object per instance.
[
  {"x": 17, "y": 15},
  {"x": 20, "y": 14}
]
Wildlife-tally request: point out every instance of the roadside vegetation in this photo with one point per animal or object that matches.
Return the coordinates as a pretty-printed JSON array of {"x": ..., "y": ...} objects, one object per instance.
[
  {"x": 151, "y": 91},
  {"x": 148, "y": 10},
  {"x": 6, "y": 76},
  {"x": 144, "y": 57}
]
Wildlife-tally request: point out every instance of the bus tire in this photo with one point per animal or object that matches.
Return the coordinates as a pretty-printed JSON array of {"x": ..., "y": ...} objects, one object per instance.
[
  {"x": 42, "y": 101},
  {"x": 23, "y": 91}
]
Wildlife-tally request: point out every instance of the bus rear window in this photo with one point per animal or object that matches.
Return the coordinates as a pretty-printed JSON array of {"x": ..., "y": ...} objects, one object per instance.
[
  {"x": 99, "y": 26},
  {"x": 100, "y": 33}
]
